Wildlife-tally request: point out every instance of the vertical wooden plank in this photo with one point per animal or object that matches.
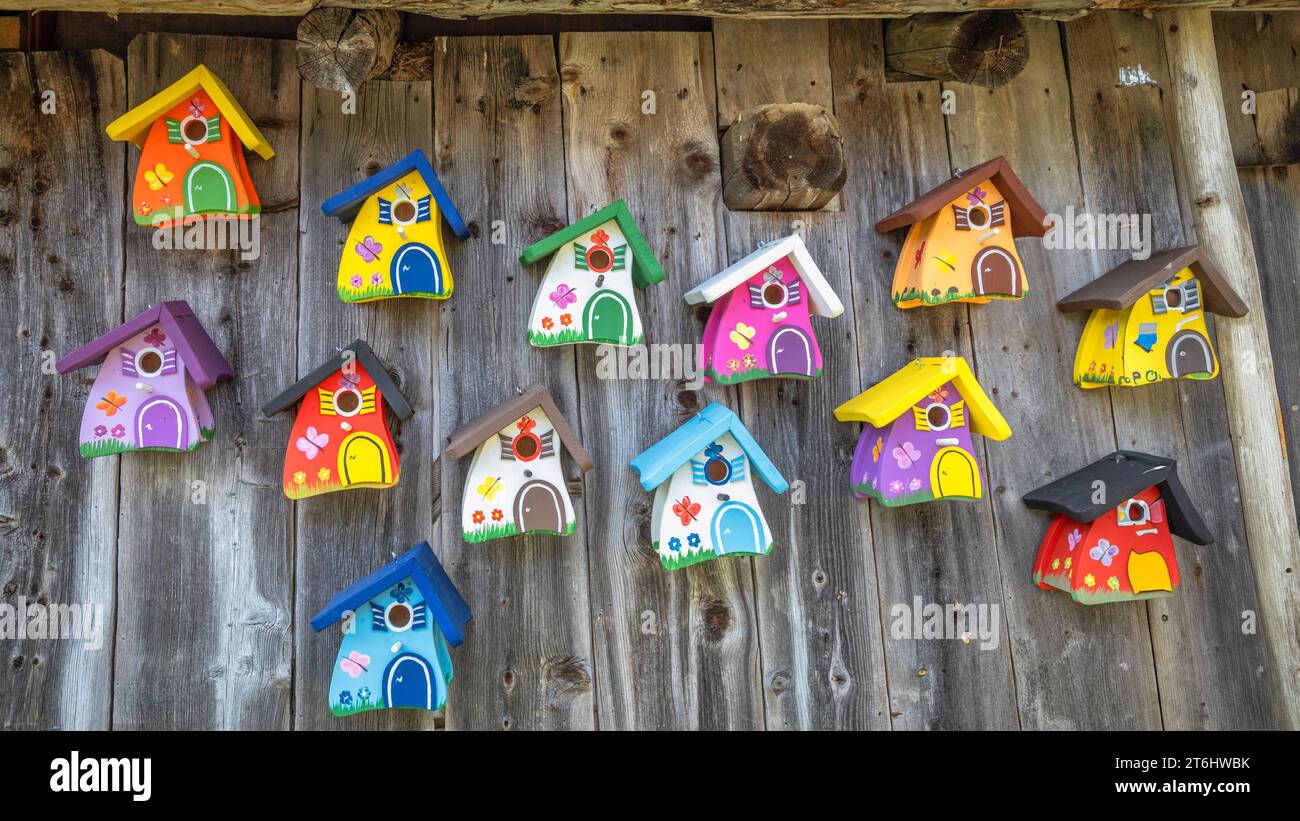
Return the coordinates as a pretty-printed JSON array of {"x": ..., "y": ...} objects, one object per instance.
[
  {"x": 527, "y": 661},
  {"x": 205, "y": 565},
  {"x": 770, "y": 61},
  {"x": 1211, "y": 676},
  {"x": 818, "y": 606},
  {"x": 1076, "y": 667},
  {"x": 680, "y": 649},
  {"x": 63, "y": 274},
  {"x": 942, "y": 553},
  {"x": 342, "y": 536}
]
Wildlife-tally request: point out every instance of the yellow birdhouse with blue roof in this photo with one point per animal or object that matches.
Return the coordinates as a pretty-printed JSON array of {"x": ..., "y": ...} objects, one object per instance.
[{"x": 395, "y": 247}]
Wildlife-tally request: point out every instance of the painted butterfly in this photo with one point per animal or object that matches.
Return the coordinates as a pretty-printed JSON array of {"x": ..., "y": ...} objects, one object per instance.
[
  {"x": 312, "y": 443},
  {"x": 491, "y": 487},
  {"x": 111, "y": 403},
  {"x": 1075, "y": 538},
  {"x": 158, "y": 177},
  {"x": 155, "y": 337},
  {"x": 686, "y": 510},
  {"x": 906, "y": 455},
  {"x": 1104, "y": 552},
  {"x": 563, "y": 296},
  {"x": 368, "y": 249},
  {"x": 355, "y": 664},
  {"x": 197, "y": 107},
  {"x": 743, "y": 335}
]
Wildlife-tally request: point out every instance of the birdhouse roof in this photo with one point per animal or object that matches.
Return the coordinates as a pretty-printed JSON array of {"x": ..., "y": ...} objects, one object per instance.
[
  {"x": 823, "y": 298},
  {"x": 1028, "y": 219},
  {"x": 392, "y": 395},
  {"x": 134, "y": 125},
  {"x": 347, "y": 203},
  {"x": 658, "y": 463},
  {"x": 469, "y": 436},
  {"x": 441, "y": 596},
  {"x": 645, "y": 268},
  {"x": 888, "y": 399},
  {"x": 202, "y": 359},
  {"x": 1121, "y": 286},
  {"x": 1122, "y": 475}
]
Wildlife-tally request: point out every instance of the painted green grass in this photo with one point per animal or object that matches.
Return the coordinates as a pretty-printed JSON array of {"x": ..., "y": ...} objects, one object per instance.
[
  {"x": 1101, "y": 594},
  {"x": 207, "y": 433},
  {"x": 686, "y": 559},
  {"x": 310, "y": 487},
  {"x": 1093, "y": 377},
  {"x": 753, "y": 373},
  {"x": 487, "y": 532},
  {"x": 369, "y": 292},
  {"x": 109, "y": 447},
  {"x": 917, "y": 295},
  {"x": 356, "y": 707},
  {"x": 925, "y": 494},
  {"x": 571, "y": 336},
  {"x": 157, "y": 219}
]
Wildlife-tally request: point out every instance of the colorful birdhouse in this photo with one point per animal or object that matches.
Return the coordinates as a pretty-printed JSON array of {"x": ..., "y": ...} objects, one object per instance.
[
  {"x": 192, "y": 137},
  {"x": 149, "y": 394},
  {"x": 702, "y": 477},
  {"x": 340, "y": 437},
  {"x": 395, "y": 246},
  {"x": 1111, "y": 538},
  {"x": 916, "y": 436},
  {"x": 1148, "y": 320},
  {"x": 399, "y": 624},
  {"x": 588, "y": 293},
  {"x": 516, "y": 484},
  {"x": 961, "y": 243},
  {"x": 761, "y": 325}
]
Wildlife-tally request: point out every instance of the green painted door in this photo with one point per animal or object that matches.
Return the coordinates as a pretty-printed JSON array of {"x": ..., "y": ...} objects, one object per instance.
[
  {"x": 609, "y": 318},
  {"x": 208, "y": 189}
]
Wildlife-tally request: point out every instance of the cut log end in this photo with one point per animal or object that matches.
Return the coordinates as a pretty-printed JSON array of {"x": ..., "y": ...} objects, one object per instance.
[
  {"x": 339, "y": 49},
  {"x": 986, "y": 48},
  {"x": 782, "y": 157}
]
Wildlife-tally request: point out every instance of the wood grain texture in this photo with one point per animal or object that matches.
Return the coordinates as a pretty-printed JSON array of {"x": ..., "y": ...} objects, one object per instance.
[
  {"x": 770, "y": 61},
  {"x": 345, "y": 535},
  {"x": 673, "y": 650},
  {"x": 1211, "y": 676},
  {"x": 944, "y": 552},
  {"x": 1206, "y": 170},
  {"x": 1025, "y": 352},
  {"x": 58, "y": 511},
  {"x": 206, "y": 589},
  {"x": 527, "y": 661}
]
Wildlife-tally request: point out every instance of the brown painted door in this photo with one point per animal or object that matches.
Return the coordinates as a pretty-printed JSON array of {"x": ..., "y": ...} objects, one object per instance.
[
  {"x": 995, "y": 272},
  {"x": 538, "y": 507},
  {"x": 1189, "y": 352}
]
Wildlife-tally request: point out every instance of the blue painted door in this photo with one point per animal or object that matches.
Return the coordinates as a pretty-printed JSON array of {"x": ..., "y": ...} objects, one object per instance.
[
  {"x": 408, "y": 682},
  {"x": 416, "y": 269},
  {"x": 737, "y": 528}
]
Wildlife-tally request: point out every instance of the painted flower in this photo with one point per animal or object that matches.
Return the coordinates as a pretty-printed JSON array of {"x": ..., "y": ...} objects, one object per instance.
[
  {"x": 497, "y": 515},
  {"x": 167, "y": 198},
  {"x": 400, "y": 593},
  {"x": 548, "y": 323},
  {"x": 100, "y": 430},
  {"x": 323, "y": 474},
  {"x": 376, "y": 278},
  {"x": 693, "y": 539},
  {"x": 146, "y": 208},
  {"x": 566, "y": 319},
  {"x": 733, "y": 364},
  {"x": 345, "y": 697},
  {"x": 299, "y": 477},
  {"x": 674, "y": 544},
  {"x": 895, "y": 487},
  {"x": 1089, "y": 580},
  {"x": 478, "y": 517},
  {"x": 356, "y": 280},
  {"x": 1068, "y": 561},
  {"x": 155, "y": 337},
  {"x": 1113, "y": 583},
  {"x": 1056, "y": 564},
  {"x": 118, "y": 431},
  {"x": 563, "y": 296},
  {"x": 749, "y": 360},
  {"x": 914, "y": 485},
  {"x": 364, "y": 694}
]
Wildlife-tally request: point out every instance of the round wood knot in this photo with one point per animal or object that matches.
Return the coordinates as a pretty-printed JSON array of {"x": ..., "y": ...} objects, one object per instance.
[
  {"x": 717, "y": 617},
  {"x": 985, "y": 48},
  {"x": 782, "y": 157},
  {"x": 339, "y": 49}
]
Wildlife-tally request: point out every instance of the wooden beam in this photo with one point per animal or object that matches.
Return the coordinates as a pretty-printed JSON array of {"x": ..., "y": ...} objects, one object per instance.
[
  {"x": 1208, "y": 175},
  {"x": 457, "y": 9},
  {"x": 782, "y": 157}
]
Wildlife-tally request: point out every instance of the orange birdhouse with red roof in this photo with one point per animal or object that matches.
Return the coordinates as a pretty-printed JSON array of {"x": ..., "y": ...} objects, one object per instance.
[
  {"x": 340, "y": 438},
  {"x": 192, "y": 136}
]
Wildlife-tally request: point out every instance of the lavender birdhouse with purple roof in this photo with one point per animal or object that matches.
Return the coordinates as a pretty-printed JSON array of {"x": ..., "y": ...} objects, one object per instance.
[{"x": 149, "y": 394}]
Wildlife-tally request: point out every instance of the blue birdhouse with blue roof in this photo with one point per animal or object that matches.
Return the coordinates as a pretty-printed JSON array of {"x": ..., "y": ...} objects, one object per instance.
[
  {"x": 399, "y": 624},
  {"x": 705, "y": 504},
  {"x": 395, "y": 246}
]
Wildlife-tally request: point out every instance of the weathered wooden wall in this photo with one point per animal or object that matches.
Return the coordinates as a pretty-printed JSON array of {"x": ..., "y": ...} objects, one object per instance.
[{"x": 207, "y": 604}]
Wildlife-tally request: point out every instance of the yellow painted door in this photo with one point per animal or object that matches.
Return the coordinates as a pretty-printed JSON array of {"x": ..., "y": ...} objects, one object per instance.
[
  {"x": 363, "y": 460},
  {"x": 953, "y": 473},
  {"x": 1148, "y": 571}
]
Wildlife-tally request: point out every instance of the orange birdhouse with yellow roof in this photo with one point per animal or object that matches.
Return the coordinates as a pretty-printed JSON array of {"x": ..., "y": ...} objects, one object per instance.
[{"x": 192, "y": 137}]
